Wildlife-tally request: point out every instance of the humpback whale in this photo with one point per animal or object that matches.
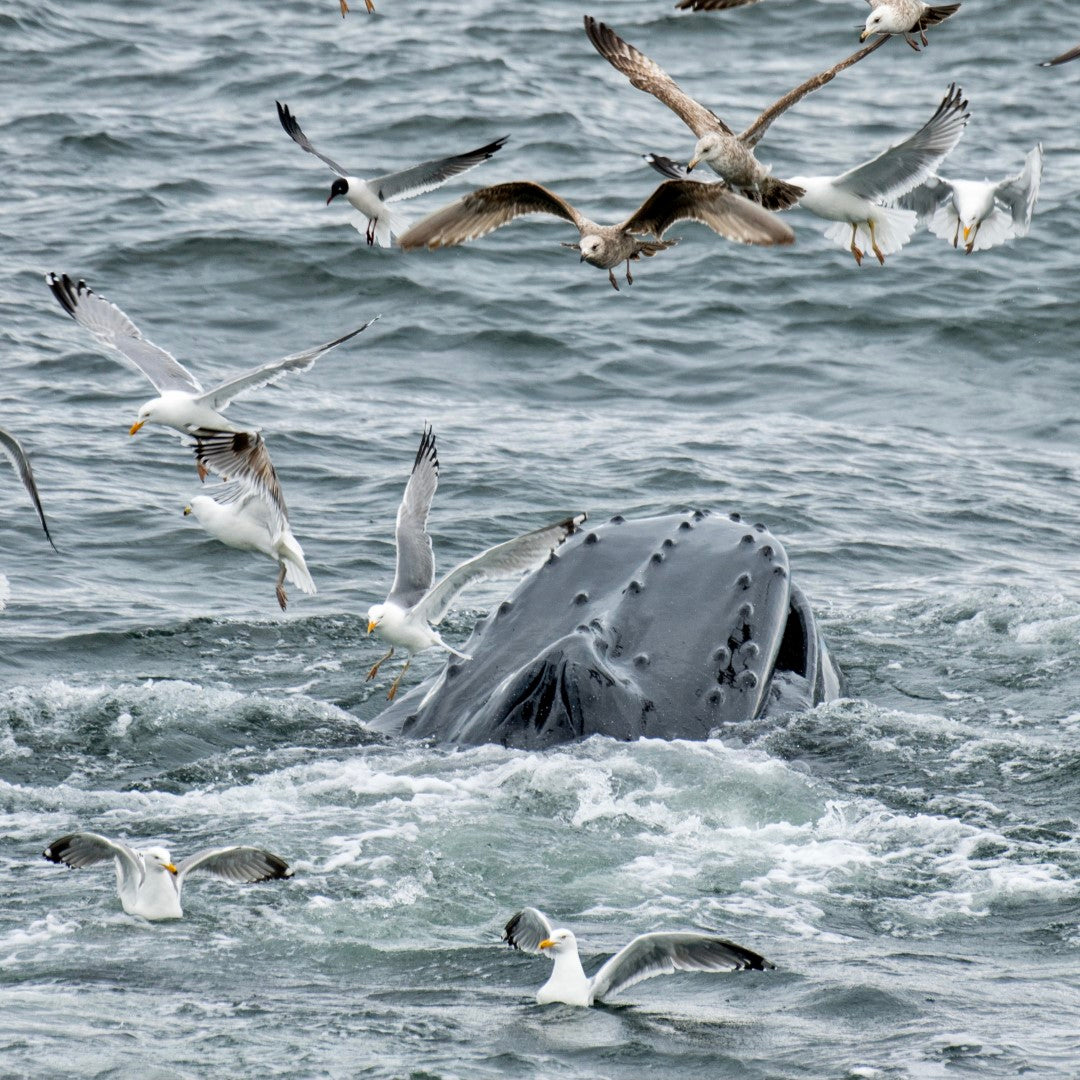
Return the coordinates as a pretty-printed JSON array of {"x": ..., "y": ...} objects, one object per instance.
[{"x": 662, "y": 627}]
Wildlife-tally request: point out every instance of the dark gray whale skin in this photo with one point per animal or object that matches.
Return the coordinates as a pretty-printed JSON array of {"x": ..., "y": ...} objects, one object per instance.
[{"x": 664, "y": 627}]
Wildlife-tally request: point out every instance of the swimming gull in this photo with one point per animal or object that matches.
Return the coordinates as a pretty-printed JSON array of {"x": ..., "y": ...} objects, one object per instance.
[
  {"x": 986, "y": 212},
  {"x": 605, "y": 246},
  {"x": 149, "y": 883},
  {"x": 727, "y": 154},
  {"x": 905, "y": 17},
  {"x": 371, "y": 197},
  {"x": 646, "y": 956},
  {"x": 1064, "y": 58},
  {"x": 415, "y": 603},
  {"x": 12, "y": 448}
]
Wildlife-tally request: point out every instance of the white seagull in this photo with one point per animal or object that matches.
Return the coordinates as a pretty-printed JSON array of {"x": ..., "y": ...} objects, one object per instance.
[
  {"x": 646, "y": 956},
  {"x": 905, "y": 17},
  {"x": 12, "y": 449},
  {"x": 371, "y": 197},
  {"x": 148, "y": 882},
  {"x": 414, "y": 603},
  {"x": 984, "y": 212}
]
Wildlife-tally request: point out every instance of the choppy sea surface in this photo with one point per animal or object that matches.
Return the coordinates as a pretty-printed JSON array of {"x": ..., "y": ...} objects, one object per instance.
[{"x": 908, "y": 856}]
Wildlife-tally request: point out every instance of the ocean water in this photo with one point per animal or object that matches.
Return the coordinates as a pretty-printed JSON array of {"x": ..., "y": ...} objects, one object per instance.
[{"x": 909, "y": 856}]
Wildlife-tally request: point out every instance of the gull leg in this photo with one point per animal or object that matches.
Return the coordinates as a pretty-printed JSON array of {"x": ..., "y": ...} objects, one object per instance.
[
  {"x": 854, "y": 250},
  {"x": 922, "y": 37},
  {"x": 873, "y": 243},
  {"x": 956, "y": 235},
  {"x": 371, "y": 225},
  {"x": 344, "y": 8},
  {"x": 397, "y": 682},
  {"x": 969, "y": 247},
  {"x": 611, "y": 278},
  {"x": 282, "y": 599},
  {"x": 379, "y": 663},
  {"x": 202, "y": 470},
  {"x": 911, "y": 41},
  {"x": 629, "y": 276}
]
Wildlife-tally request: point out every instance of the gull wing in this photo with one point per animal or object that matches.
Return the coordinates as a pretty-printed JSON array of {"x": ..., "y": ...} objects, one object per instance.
[
  {"x": 113, "y": 328},
  {"x": 11, "y": 446},
  {"x": 242, "y": 456},
  {"x": 264, "y": 374},
  {"x": 753, "y": 134},
  {"x": 647, "y": 75},
  {"x": 429, "y": 175},
  {"x": 665, "y": 166},
  {"x": 1018, "y": 193},
  {"x": 484, "y": 210},
  {"x": 664, "y": 953},
  {"x": 927, "y": 197},
  {"x": 1064, "y": 58},
  {"x": 934, "y": 15},
  {"x": 415, "y": 558},
  {"x": 240, "y": 864},
  {"x": 715, "y": 205},
  {"x": 527, "y": 929},
  {"x": 712, "y": 5},
  {"x": 523, "y": 553},
  {"x": 86, "y": 848},
  {"x": 907, "y": 164},
  {"x": 293, "y": 130}
]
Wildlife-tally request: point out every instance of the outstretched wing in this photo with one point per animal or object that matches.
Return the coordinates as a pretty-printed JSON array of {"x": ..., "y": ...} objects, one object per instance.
[
  {"x": 908, "y": 163},
  {"x": 665, "y": 953},
  {"x": 484, "y": 210},
  {"x": 1064, "y": 58},
  {"x": 86, "y": 848},
  {"x": 927, "y": 197},
  {"x": 527, "y": 929},
  {"x": 415, "y": 558},
  {"x": 665, "y": 166},
  {"x": 240, "y": 864},
  {"x": 715, "y": 205},
  {"x": 1018, "y": 193},
  {"x": 242, "y": 456},
  {"x": 523, "y": 553},
  {"x": 221, "y": 395},
  {"x": 293, "y": 130},
  {"x": 113, "y": 328},
  {"x": 429, "y": 175},
  {"x": 752, "y": 135},
  {"x": 13, "y": 449},
  {"x": 647, "y": 75},
  {"x": 712, "y": 5}
]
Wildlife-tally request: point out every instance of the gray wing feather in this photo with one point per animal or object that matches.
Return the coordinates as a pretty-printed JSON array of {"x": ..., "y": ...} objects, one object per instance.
[
  {"x": 293, "y": 130},
  {"x": 712, "y": 5},
  {"x": 429, "y": 175},
  {"x": 907, "y": 164},
  {"x": 1064, "y": 58},
  {"x": 240, "y": 864},
  {"x": 665, "y": 953},
  {"x": 415, "y": 559},
  {"x": 13, "y": 449},
  {"x": 242, "y": 456},
  {"x": 665, "y": 166},
  {"x": 527, "y": 929},
  {"x": 523, "y": 553},
  {"x": 113, "y": 328},
  {"x": 1018, "y": 193},
  {"x": 927, "y": 197},
  {"x": 86, "y": 848}
]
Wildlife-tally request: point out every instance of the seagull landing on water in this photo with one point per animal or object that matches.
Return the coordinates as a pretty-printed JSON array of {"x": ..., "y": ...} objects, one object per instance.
[
  {"x": 371, "y": 197},
  {"x": 12, "y": 448},
  {"x": 905, "y": 17},
  {"x": 148, "y": 881},
  {"x": 646, "y": 956},
  {"x": 415, "y": 602}
]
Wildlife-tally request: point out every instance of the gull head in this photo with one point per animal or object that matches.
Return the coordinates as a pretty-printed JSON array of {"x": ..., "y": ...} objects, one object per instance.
[
  {"x": 706, "y": 146},
  {"x": 561, "y": 941},
  {"x": 592, "y": 249},
  {"x": 339, "y": 187},
  {"x": 881, "y": 20},
  {"x": 375, "y": 615},
  {"x": 157, "y": 858},
  {"x": 147, "y": 413}
]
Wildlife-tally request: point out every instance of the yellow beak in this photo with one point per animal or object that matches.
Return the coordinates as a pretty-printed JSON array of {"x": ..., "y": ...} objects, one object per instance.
[
  {"x": 187, "y": 510},
  {"x": 967, "y": 232},
  {"x": 692, "y": 163},
  {"x": 135, "y": 427},
  {"x": 864, "y": 35},
  {"x": 371, "y": 625},
  {"x": 172, "y": 869},
  {"x": 545, "y": 944}
]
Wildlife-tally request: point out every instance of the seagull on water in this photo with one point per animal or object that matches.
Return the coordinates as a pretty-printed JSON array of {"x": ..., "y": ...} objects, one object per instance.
[
  {"x": 149, "y": 883},
  {"x": 12, "y": 449},
  {"x": 647, "y": 955},
  {"x": 905, "y": 17},
  {"x": 415, "y": 603},
  {"x": 605, "y": 246},
  {"x": 371, "y": 197}
]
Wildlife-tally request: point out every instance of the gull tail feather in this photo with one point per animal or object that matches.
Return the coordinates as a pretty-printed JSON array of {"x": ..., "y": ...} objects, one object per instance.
[
  {"x": 892, "y": 230},
  {"x": 296, "y": 571},
  {"x": 779, "y": 194}
]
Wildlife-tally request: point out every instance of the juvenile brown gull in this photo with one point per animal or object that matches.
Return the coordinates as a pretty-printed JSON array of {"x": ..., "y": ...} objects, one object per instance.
[{"x": 905, "y": 17}]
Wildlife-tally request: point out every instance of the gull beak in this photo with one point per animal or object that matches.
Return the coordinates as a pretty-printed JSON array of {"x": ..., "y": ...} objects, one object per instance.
[
  {"x": 545, "y": 944},
  {"x": 967, "y": 232},
  {"x": 135, "y": 427},
  {"x": 371, "y": 625},
  {"x": 329, "y": 198},
  {"x": 582, "y": 259},
  {"x": 864, "y": 35},
  {"x": 187, "y": 511},
  {"x": 691, "y": 163},
  {"x": 172, "y": 869}
]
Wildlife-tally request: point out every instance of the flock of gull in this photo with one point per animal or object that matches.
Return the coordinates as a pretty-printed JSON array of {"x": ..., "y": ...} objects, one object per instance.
[{"x": 874, "y": 207}]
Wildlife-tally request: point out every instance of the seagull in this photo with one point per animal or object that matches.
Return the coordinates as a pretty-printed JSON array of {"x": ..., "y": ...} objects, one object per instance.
[
  {"x": 985, "y": 211},
  {"x": 905, "y": 17},
  {"x": 415, "y": 602},
  {"x": 605, "y": 246},
  {"x": 148, "y": 882},
  {"x": 12, "y": 448},
  {"x": 1064, "y": 58},
  {"x": 242, "y": 515},
  {"x": 646, "y": 956},
  {"x": 727, "y": 154},
  {"x": 370, "y": 197}
]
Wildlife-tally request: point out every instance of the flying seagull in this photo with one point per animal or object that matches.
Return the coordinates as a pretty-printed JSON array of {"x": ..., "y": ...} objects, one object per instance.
[
  {"x": 605, "y": 246},
  {"x": 415, "y": 602},
  {"x": 11, "y": 447},
  {"x": 985, "y": 212},
  {"x": 371, "y": 197},
  {"x": 905, "y": 17},
  {"x": 646, "y": 956},
  {"x": 727, "y": 154},
  {"x": 149, "y": 883},
  {"x": 1064, "y": 58}
]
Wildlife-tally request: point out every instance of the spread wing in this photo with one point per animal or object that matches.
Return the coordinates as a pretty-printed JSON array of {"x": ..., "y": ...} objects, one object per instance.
[
  {"x": 527, "y": 929},
  {"x": 934, "y": 15},
  {"x": 86, "y": 848},
  {"x": 293, "y": 130},
  {"x": 927, "y": 197},
  {"x": 484, "y": 210},
  {"x": 664, "y": 953},
  {"x": 1018, "y": 193},
  {"x": 11, "y": 446},
  {"x": 415, "y": 558},
  {"x": 908, "y": 163},
  {"x": 1064, "y": 58},
  {"x": 712, "y": 5},
  {"x": 429, "y": 175},
  {"x": 650, "y": 77},
  {"x": 523, "y": 553},
  {"x": 113, "y": 328},
  {"x": 665, "y": 166},
  {"x": 715, "y": 205},
  {"x": 221, "y": 395},
  {"x": 752, "y": 135},
  {"x": 242, "y": 456},
  {"x": 240, "y": 864}
]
